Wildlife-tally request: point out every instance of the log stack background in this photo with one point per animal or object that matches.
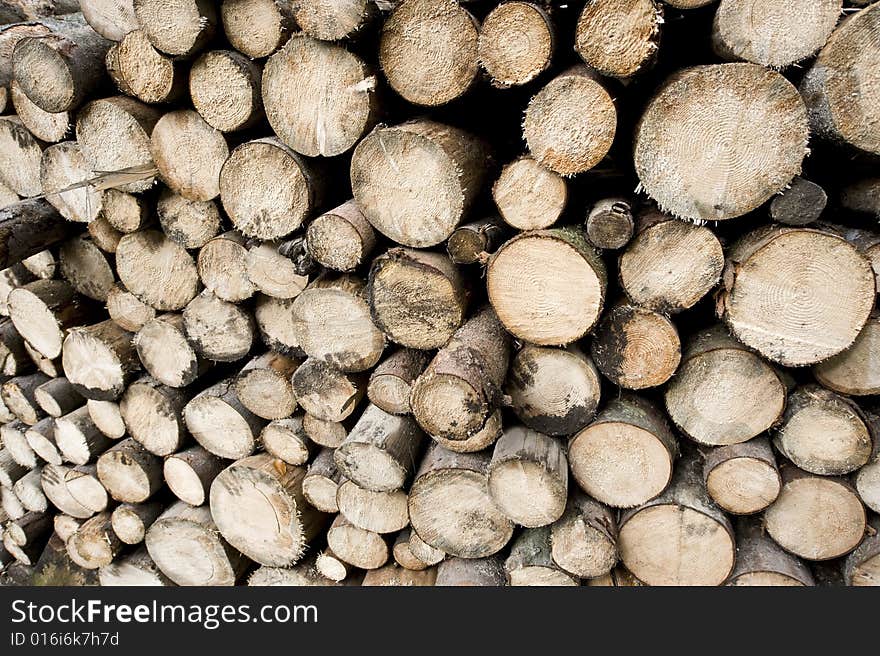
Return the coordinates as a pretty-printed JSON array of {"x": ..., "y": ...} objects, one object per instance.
[{"x": 436, "y": 293}]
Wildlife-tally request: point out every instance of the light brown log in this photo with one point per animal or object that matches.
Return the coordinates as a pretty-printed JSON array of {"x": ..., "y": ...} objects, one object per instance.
[
  {"x": 450, "y": 507},
  {"x": 792, "y": 309},
  {"x": 62, "y": 166},
  {"x": 18, "y": 397},
  {"x": 99, "y": 360},
  {"x": 41, "y": 438},
  {"x": 391, "y": 381},
  {"x": 190, "y": 223},
  {"x": 107, "y": 417},
  {"x": 470, "y": 371},
  {"x": 272, "y": 273},
  {"x": 392, "y": 186},
  {"x": 538, "y": 270},
  {"x": 286, "y": 440},
  {"x": 341, "y": 239},
  {"x": 331, "y": 322},
  {"x": 134, "y": 569},
  {"x": 403, "y": 555},
  {"x": 441, "y": 63},
  {"x": 264, "y": 385},
  {"x": 224, "y": 86},
  {"x": 181, "y": 27},
  {"x": 332, "y": 567},
  {"x": 166, "y": 353},
  {"x": 103, "y": 235},
  {"x": 127, "y": 310},
  {"x": 840, "y": 89},
  {"x": 43, "y": 311},
  {"x": 650, "y": 539},
  {"x": 186, "y": 546},
  {"x": 482, "y": 439},
  {"x": 330, "y": 434},
  {"x": 823, "y": 432},
  {"x": 259, "y": 508},
  {"x": 381, "y": 450},
  {"x": 570, "y": 124},
  {"x": 752, "y": 400},
  {"x": 86, "y": 268},
  {"x": 696, "y": 156},
  {"x": 129, "y": 472},
  {"x": 530, "y": 561},
  {"x": 157, "y": 270},
  {"x": 60, "y": 71},
  {"x": 275, "y": 320},
  {"x": 393, "y": 576},
  {"x": 321, "y": 482},
  {"x": 75, "y": 491},
  {"x": 528, "y": 195},
  {"x": 256, "y": 28},
  {"x": 125, "y": 212},
  {"x": 801, "y": 203},
  {"x": 189, "y": 154},
  {"x": 94, "y": 544},
  {"x": 12, "y": 437},
  {"x": 528, "y": 477},
  {"x": 610, "y": 223},
  {"x": 44, "y": 125},
  {"x": 222, "y": 267},
  {"x": 862, "y": 566},
  {"x": 625, "y": 457},
  {"x": 761, "y": 562},
  {"x": 114, "y": 134},
  {"x": 553, "y": 391},
  {"x": 220, "y": 423},
  {"x": 131, "y": 521},
  {"x": 670, "y": 265},
  {"x": 379, "y": 512},
  {"x": 29, "y": 491},
  {"x": 742, "y": 478},
  {"x": 267, "y": 189},
  {"x": 418, "y": 299},
  {"x": 189, "y": 474},
  {"x": 333, "y": 20},
  {"x": 619, "y": 39},
  {"x": 20, "y": 155},
  {"x": 471, "y": 572},
  {"x": 516, "y": 43},
  {"x": 77, "y": 437},
  {"x": 217, "y": 329},
  {"x": 583, "y": 541},
  {"x": 356, "y": 546},
  {"x": 139, "y": 70},
  {"x": 471, "y": 242},
  {"x": 112, "y": 19},
  {"x": 65, "y": 526},
  {"x": 815, "y": 517},
  {"x": 854, "y": 371},
  {"x": 302, "y": 574}
]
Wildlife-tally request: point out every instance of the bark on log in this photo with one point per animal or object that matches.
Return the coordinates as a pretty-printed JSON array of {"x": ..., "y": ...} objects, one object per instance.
[
  {"x": 45, "y": 126},
  {"x": 139, "y": 70},
  {"x": 112, "y": 19},
  {"x": 650, "y": 536},
  {"x": 157, "y": 270},
  {"x": 570, "y": 124},
  {"x": 26, "y": 536},
  {"x": 331, "y": 322},
  {"x": 516, "y": 43},
  {"x": 220, "y": 423},
  {"x": 381, "y": 450},
  {"x": 391, "y": 381},
  {"x": 16, "y": 10},
  {"x": 14, "y": 358},
  {"x": 530, "y": 562},
  {"x": 94, "y": 544},
  {"x": 222, "y": 267},
  {"x": 450, "y": 507},
  {"x": 127, "y": 310},
  {"x": 273, "y": 274},
  {"x": 166, "y": 353},
  {"x": 379, "y": 512},
  {"x": 28, "y": 227},
  {"x": 769, "y": 282},
  {"x": 583, "y": 541},
  {"x": 470, "y": 370},
  {"x": 287, "y": 440},
  {"x": 129, "y": 472},
  {"x": 18, "y": 397},
  {"x": 256, "y": 28},
  {"x": 801, "y": 203},
  {"x": 840, "y": 89},
  {"x": 619, "y": 39},
  {"x": 189, "y": 474},
  {"x": 321, "y": 482},
  {"x": 75, "y": 491},
  {"x": 264, "y": 386},
  {"x": 10, "y": 470},
  {"x": 107, "y": 418},
  {"x": 77, "y": 437},
  {"x": 629, "y": 435},
  {"x": 189, "y": 154},
  {"x": 862, "y": 566},
  {"x": 190, "y": 223},
  {"x": 753, "y": 397},
  {"x": 761, "y": 562},
  {"x": 815, "y": 517},
  {"x": 131, "y": 521},
  {"x": 341, "y": 239},
  {"x": 218, "y": 330},
  {"x": 99, "y": 360},
  {"x": 471, "y": 242},
  {"x": 610, "y": 223},
  {"x": 356, "y": 546},
  {"x": 528, "y": 195},
  {"x": 391, "y": 188},
  {"x": 267, "y": 189},
  {"x": 319, "y": 97},
  {"x": 177, "y": 28},
  {"x": 742, "y": 478},
  {"x": 224, "y": 86},
  {"x": 867, "y": 479},
  {"x": 186, "y": 546},
  {"x": 86, "y": 268},
  {"x": 259, "y": 508},
  {"x": 471, "y": 572}
]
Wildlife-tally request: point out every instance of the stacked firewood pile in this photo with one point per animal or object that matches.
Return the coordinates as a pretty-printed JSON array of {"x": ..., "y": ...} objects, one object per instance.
[{"x": 441, "y": 293}]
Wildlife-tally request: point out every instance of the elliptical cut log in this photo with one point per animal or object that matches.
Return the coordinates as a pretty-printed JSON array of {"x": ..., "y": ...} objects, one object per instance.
[
  {"x": 619, "y": 38},
  {"x": 178, "y": 28},
  {"x": 516, "y": 43}
]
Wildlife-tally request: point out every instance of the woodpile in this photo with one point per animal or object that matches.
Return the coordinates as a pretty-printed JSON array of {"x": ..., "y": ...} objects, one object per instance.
[{"x": 436, "y": 292}]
